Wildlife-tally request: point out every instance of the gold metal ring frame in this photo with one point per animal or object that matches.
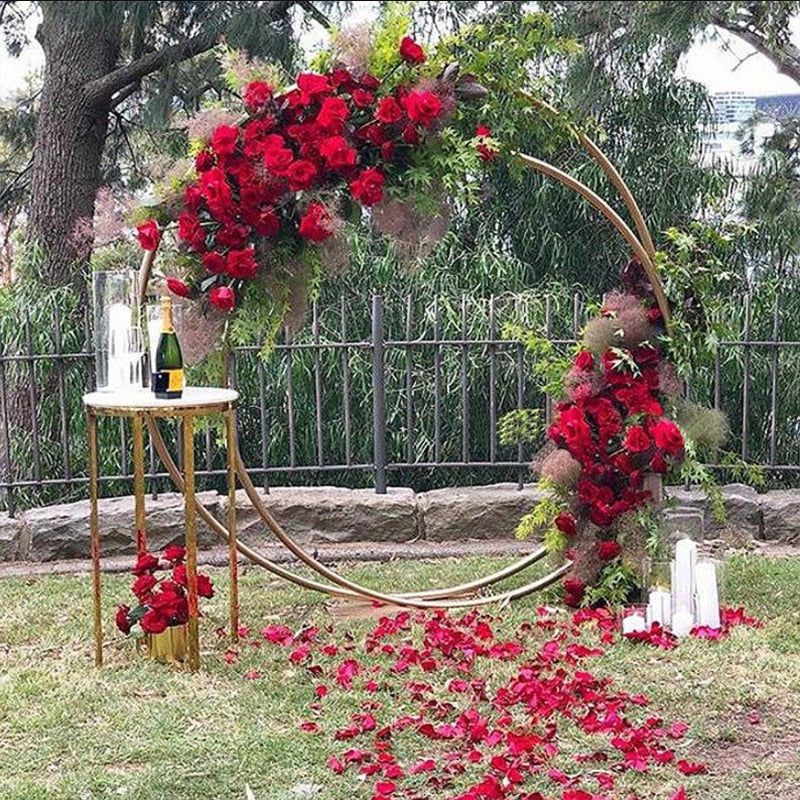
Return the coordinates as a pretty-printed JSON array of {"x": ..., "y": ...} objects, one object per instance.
[{"x": 469, "y": 594}]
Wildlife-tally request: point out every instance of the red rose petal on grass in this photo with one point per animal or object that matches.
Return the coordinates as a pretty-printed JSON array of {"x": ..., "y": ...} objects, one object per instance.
[
  {"x": 385, "y": 787},
  {"x": 691, "y": 767},
  {"x": 679, "y": 795},
  {"x": 677, "y": 730},
  {"x": 252, "y": 675},
  {"x": 310, "y": 727}
]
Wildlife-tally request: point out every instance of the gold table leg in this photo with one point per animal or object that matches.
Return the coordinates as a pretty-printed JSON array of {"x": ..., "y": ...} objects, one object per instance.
[
  {"x": 94, "y": 529},
  {"x": 230, "y": 438},
  {"x": 138, "y": 485},
  {"x": 191, "y": 542}
]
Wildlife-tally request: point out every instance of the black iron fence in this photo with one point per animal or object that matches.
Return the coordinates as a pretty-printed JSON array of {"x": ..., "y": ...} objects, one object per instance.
[{"x": 407, "y": 391}]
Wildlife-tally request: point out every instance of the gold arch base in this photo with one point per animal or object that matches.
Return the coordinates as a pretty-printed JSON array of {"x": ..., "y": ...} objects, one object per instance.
[{"x": 474, "y": 593}]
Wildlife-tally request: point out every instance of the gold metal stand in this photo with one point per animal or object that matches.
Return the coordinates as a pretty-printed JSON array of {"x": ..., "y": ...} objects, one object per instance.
[{"x": 142, "y": 407}]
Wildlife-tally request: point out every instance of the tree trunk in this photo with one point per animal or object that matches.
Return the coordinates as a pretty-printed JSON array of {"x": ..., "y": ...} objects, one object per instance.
[{"x": 70, "y": 136}]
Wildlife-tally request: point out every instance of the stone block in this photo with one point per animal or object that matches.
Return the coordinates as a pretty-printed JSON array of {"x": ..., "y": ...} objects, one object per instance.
[
  {"x": 62, "y": 531},
  {"x": 743, "y": 520},
  {"x": 13, "y": 539},
  {"x": 781, "y": 512},
  {"x": 328, "y": 514},
  {"x": 476, "y": 512}
]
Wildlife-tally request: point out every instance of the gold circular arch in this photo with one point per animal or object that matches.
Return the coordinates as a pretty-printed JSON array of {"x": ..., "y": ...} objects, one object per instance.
[{"x": 469, "y": 594}]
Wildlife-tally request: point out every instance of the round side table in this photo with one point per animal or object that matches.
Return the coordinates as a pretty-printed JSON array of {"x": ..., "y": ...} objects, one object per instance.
[{"x": 141, "y": 406}]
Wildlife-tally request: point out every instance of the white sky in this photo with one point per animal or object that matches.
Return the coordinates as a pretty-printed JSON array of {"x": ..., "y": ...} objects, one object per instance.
[{"x": 722, "y": 63}]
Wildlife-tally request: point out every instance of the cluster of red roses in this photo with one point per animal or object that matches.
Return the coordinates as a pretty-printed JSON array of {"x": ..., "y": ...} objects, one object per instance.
[
  {"x": 270, "y": 175},
  {"x": 613, "y": 424},
  {"x": 162, "y": 600}
]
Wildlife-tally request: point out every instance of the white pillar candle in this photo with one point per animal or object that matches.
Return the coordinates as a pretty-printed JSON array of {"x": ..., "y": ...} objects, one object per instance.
[
  {"x": 684, "y": 586},
  {"x": 633, "y": 623},
  {"x": 707, "y": 595},
  {"x": 119, "y": 321},
  {"x": 682, "y": 622},
  {"x": 659, "y": 607}
]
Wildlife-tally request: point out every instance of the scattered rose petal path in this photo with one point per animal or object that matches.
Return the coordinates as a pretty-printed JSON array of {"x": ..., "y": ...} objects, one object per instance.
[{"x": 490, "y": 715}]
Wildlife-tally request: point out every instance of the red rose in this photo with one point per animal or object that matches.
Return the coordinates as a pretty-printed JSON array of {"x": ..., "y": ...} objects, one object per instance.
[
  {"x": 301, "y": 175},
  {"x": 362, "y": 98},
  {"x": 192, "y": 198},
  {"x": 637, "y": 440},
  {"x": 204, "y": 160},
  {"x": 278, "y": 160},
  {"x": 388, "y": 151},
  {"x": 565, "y": 522},
  {"x": 389, "y": 111},
  {"x": 217, "y": 192},
  {"x": 607, "y": 550},
  {"x": 316, "y": 225},
  {"x": 411, "y": 135},
  {"x": 667, "y": 437},
  {"x": 369, "y": 82},
  {"x": 312, "y": 84},
  {"x": 422, "y": 107},
  {"x": 485, "y": 151},
  {"x": 179, "y": 574},
  {"x": 175, "y": 553},
  {"x": 149, "y": 235},
  {"x": 266, "y": 222},
  {"x": 214, "y": 262},
  {"x": 257, "y": 95},
  {"x": 145, "y": 563},
  {"x": 367, "y": 188},
  {"x": 411, "y": 52},
  {"x": 154, "y": 622},
  {"x": 178, "y": 287},
  {"x": 223, "y": 139},
  {"x": 482, "y": 130},
  {"x": 122, "y": 619},
  {"x": 341, "y": 79},
  {"x": 204, "y": 586},
  {"x": 332, "y": 114},
  {"x": 241, "y": 264},
  {"x": 222, "y": 297},
  {"x": 584, "y": 361},
  {"x": 144, "y": 584},
  {"x": 573, "y": 591},
  {"x": 601, "y": 515},
  {"x": 190, "y": 230},
  {"x": 337, "y": 153},
  {"x": 232, "y": 236}
]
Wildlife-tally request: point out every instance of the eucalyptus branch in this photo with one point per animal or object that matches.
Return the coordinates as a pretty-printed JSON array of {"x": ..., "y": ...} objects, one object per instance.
[
  {"x": 125, "y": 93},
  {"x": 315, "y": 13}
]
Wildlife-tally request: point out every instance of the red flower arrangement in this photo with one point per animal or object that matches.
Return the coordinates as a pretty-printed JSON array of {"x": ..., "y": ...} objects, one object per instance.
[
  {"x": 160, "y": 588},
  {"x": 613, "y": 424},
  {"x": 291, "y": 166}
]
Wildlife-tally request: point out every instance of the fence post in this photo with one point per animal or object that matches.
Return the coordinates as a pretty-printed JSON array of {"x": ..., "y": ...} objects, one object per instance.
[
  {"x": 378, "y": 395},
  {"x": 5, "y": 455}
]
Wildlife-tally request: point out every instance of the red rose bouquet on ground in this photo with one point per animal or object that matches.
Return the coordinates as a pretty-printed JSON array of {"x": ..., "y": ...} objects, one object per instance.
[{"x": 160, "y": 589}]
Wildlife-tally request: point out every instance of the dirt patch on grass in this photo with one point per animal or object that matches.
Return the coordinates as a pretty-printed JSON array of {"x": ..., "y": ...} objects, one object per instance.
[{"x": 766, "y": 744}]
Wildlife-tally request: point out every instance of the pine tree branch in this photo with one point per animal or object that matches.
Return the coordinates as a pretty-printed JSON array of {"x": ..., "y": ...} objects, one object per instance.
[
  {"x": 785, "y": 57},
  {"x": 103, "y": 88}
]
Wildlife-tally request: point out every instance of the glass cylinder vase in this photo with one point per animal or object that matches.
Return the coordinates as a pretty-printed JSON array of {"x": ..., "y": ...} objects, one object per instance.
[{"x": 115, "y": 313}]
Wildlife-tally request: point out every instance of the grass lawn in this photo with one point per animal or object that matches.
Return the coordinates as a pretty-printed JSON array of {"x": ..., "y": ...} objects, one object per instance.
[{"x": 140, "y": 730}]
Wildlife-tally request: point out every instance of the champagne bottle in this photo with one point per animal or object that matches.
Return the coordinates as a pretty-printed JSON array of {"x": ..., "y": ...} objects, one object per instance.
[{"x": 167, "y": 380}]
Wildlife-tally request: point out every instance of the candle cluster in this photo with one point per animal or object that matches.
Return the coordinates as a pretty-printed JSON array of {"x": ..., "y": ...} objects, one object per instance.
[{"x": 692, "y": 601}]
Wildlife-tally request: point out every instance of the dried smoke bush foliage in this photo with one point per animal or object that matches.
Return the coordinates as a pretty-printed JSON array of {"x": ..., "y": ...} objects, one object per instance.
[
  {"x": 580, "y": 383},
  {"x": 601, "y": 334},
  {"x": 414, "y": 232},
  {"x": 202, "y": 328},
  {"x": 297, "y": 297},
  {"x": 200, "y": 127},
  {"x": 669, "y": 382},
  {"x": 334, "y": 254},
  {"x": 705, "y": 426},
  {"x": 583, "y": 551},
  {"x": 351, "y": 47},
  {"x": 635, "y": 326},
  {"x": 633, "y": 537},
  {"x": 560, "y": 468}
]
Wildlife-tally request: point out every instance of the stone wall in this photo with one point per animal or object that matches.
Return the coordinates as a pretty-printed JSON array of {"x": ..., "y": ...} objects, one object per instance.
[{"x": 329, "y": 515}]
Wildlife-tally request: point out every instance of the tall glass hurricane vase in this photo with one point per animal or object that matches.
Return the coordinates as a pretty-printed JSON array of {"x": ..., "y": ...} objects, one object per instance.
[{"x": 115, "y": 311}]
